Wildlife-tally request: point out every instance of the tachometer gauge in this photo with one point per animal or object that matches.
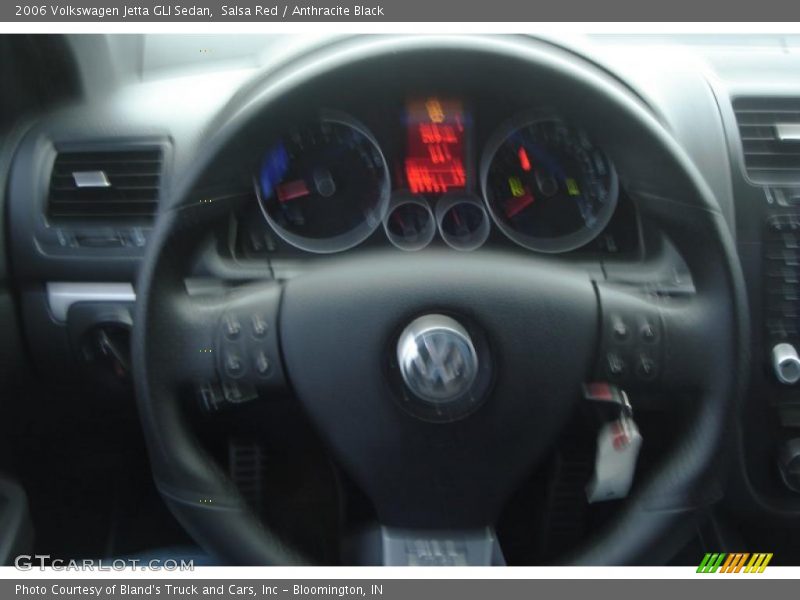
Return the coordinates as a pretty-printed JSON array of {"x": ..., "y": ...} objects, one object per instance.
[
  {"x": 548, "y": 187},
  {"x": 325, "y": 187}
]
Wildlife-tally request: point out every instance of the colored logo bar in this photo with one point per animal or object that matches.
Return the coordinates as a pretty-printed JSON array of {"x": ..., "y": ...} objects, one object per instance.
[{"x": 736, "y": 562}]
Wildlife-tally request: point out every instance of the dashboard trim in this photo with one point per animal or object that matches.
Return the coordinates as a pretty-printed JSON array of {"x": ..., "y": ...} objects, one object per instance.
[{"x": 62, "y": 295}]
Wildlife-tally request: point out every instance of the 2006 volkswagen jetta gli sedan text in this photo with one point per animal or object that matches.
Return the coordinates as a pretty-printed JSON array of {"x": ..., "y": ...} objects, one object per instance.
[{"x": 400, "y": 300}]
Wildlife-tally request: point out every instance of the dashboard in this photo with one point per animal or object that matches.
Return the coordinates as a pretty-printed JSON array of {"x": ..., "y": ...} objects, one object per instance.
[{"x": 440, "y": 155}]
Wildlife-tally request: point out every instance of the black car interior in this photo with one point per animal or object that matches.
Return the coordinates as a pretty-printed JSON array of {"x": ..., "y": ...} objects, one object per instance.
[{"x": 391, "y": 300}]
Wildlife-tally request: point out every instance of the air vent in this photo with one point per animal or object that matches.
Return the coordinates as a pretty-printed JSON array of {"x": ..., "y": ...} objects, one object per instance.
[
  {"x": 107, "y": 184},
  {"x": 770, "y": 132}
]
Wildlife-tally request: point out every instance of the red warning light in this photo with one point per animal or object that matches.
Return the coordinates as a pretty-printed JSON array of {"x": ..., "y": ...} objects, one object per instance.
[
  {"x": 516, "y": 205},
  {"x": 291, "y": 190},
  {"x": 435, "y": 146},
  {"x": 524, "y": 161}
]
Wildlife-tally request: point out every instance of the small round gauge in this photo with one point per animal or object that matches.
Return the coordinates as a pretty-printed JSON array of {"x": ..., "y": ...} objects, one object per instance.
[
  {"x": 324, "y": 187},
  {"x": 463, "y": 222},
  {"x": 548, "y": 187},
  {"x": 410, "y": 224}
]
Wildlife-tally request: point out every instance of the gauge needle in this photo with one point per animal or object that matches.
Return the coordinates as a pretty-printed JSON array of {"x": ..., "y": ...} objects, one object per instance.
[
  {"x": 517, "y": 205},
  {"x": 291, "y": 190},
  {"x": 399, "y": 220}
]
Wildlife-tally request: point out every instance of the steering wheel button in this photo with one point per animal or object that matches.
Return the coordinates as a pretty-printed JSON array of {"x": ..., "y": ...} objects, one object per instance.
[
  {"x": 619, "y": 329},
  {"x": 233, "y": 365},
  {"x": 646, "y": 368},
  {"x": 232, "y": 327},
  {"x": 260, "y": 327},
  {"x": 262, "y": 364},
  {"x": 616, "y": 365},
  {"x": 648, "y": 333}
]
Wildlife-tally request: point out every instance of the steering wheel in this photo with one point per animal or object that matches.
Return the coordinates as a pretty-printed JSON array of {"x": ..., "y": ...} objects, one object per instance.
[{"x": 529, "y": 332}]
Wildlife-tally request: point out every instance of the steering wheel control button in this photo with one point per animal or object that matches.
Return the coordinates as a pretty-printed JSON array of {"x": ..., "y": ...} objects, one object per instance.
[
  {"x": 259, "y": 327},
  {"x": 437, "y": 359},
  {"x": 646, "y": 368},
  {"x": 631, "y": 351},
  {"x": 647, "y": 333},
  {"x": 234, "y": 366},
  {"x": 246, "y": 349},
  {"x": 616, "y": 366},
  {"x": 619, "y": 329},
  {"x": 786, "y": 363},
  {"x": 232, "y": 327},
  {"x": 262, "y": 364}
]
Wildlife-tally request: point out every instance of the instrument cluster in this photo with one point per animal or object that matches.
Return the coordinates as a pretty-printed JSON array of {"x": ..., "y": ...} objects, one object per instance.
[{"x": 328, "y": 185}]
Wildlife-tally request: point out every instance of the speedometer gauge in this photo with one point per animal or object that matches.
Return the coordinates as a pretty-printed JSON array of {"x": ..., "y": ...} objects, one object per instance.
[
  {"x": 324, "y": 187},
  {"x": 548, "y": 187}
]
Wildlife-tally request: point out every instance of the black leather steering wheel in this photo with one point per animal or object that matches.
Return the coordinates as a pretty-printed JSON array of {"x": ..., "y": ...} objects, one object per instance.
[{"x": 547, "y": 325}]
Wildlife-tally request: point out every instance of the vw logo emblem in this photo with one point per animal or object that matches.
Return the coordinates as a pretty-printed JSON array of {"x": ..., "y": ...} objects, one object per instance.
[{"x": 437, "y": 358}]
